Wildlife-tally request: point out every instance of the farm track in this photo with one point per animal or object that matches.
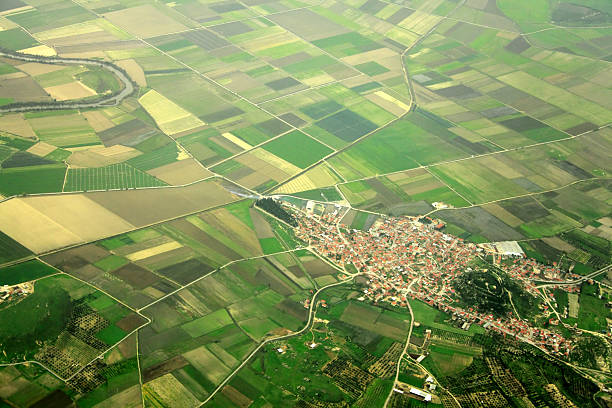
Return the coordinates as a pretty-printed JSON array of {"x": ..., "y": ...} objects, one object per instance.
[{"x": 110, "y": 100}]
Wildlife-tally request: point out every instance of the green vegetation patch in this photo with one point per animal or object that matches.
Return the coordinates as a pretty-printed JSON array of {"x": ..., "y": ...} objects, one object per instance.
[
  {"x": 10, "y": 249},
  {"x": 41, "y": 316},
  {"x": 115, "y": 176},
  {"x": 32, "y": 179},
  {"x": 157, "y": 158},
  {"x": 270, "y": 245},
  {"x": 16, "y": 39},
  {"x": 208, "y": 323},
  {"x": 24, "y": 272},
  {"x": 371, "y": 68},
  {"x": 344, "y": 45},
  {"x": 110, "y": 263},
  {"x": 321, "y": 109},
  {"x": 347, "y": 125},
  {"x": 111, "y": 335},
  {"x": 297, "y": 149}
]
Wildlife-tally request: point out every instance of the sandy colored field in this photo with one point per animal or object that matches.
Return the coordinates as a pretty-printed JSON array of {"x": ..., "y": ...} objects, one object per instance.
[
  {"x": 15, "y": 10},
  {"x": 41, "y": 50},
  {"x": 144, "y": 207},
  {"x": 72, "y": 90},
  {"x": 559, "y": 244},
  {"x": 23, "y": 90},
  {"x": 34, "y": 68},
  {"x": 69, "y": 30},
  {"x": 317, "y": 177},
  {"x": 499, "y": 212},
  {"x": 159, "y": 249},
  {"x": 16, "y": 124},
  {"x": 237, "y": 141},
  {"x": 383, "y": 56},
  {"x": 150, "y": 21},
  {"x": 41, "y": 149},
  {"x": 170, "y": 117},
  {"x": 98, "y": 121},
  {"x": 266, "y": 166},
  {"x": 180, "y": 172},
  {"x": 262, "y": 228},
  {"x": 167, "y": 391},
  {"x": 99, "y": 156},
  {"x": 388, "y": 103},
  {"x": 207, "y": 363},
  {"x": 134, "y": 71},
  {"x": 13, "y": 75},
  {"x": 45, "y": 223},
  {"x": 573, "y": 304},
  {"x": 129, "y": 398},
  {"x": 234, "y": 229}
]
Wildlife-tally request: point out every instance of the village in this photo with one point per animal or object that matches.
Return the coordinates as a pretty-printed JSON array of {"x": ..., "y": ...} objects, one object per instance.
[{"x": 411, "y": 258}]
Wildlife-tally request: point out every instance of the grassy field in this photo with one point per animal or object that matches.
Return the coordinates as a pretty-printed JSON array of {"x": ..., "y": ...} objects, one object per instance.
[
  {"x": 297, "y": 148},
  {"x": 24, "y": 272},
  {"x": 116, "y": 176},
  {"x": 32, "y": 179},
  {"x": 10, "y": 249}
]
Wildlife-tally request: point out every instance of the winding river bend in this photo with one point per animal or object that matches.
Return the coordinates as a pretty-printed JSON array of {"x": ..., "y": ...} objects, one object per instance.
[{"x": 105, "y": 101}]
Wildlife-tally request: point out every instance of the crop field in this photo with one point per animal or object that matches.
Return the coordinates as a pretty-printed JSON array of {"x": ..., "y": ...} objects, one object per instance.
[
  {"x": 149, "y": 273},
  {"x": 116, "y": 176}
]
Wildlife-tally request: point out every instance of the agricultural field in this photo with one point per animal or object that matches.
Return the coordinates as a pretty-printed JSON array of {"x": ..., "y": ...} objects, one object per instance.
[{"x": 151, "y": 232}]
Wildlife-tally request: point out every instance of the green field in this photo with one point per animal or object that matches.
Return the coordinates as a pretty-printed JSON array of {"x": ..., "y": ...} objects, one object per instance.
[
  {"x": 24, "y": 272},
  {"x": 32, "y": 179},
  {"x": 115, "y": 176},
  {"x": 297, "y": 149},
  {"x": 10, "y": 249}
]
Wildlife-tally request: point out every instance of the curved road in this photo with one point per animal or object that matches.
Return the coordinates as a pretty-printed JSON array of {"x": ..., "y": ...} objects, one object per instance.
[{"x": 111, "y": 100}]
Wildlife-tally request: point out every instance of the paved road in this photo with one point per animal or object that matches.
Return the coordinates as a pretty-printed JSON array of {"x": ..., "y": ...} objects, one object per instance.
[
  {"x": 110, "y": 100},
  {"x": 545, "y": 283}
]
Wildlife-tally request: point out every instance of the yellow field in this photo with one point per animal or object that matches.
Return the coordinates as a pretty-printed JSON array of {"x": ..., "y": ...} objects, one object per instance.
[
  {"x": 167, "y": 391},
  {"x": 134, "y": 71},
  {"x": 574, "y": 305},
  {"x": 170, "y": 117},
  {"x": 16, "y": 124},
  {"x": 44, "y": 223},
  {"x": 71, "y": 90},
  {"x": 41, "y": 50},
  {"x": 41, "y": 149},
  {"x": 388, "y": 103},
  {"x": 149, "y": 252},
  {"x": 180, "y": 172},
  {"x": 237, "y": 141},
  {"x": 34, "y": 68},
  {"x": 404, "y": 37},
  {"x": 317, "y": 177},
  {"x": 98, "y": 121},
  {"x": 99, "y": 156},
  {"x": 151, "y": 22},
  {"x": 69, "y": 30}
]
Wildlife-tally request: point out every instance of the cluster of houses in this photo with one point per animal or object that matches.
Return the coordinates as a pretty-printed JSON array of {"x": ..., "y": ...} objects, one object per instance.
[
  {"x": 412, "y": 258},
  {"x": 9, "y": 293}
]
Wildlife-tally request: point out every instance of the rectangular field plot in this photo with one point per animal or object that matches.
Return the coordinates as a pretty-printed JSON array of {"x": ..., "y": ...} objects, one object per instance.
[
  {"x": 347, "y": 125},
  {"x": 32, "y": 179},
  {"x": 414, "y": 141},
  {"x": 116, "y": 176},
  {"x": 298, "y": 149},
  {"x": 406, "y": 193}
]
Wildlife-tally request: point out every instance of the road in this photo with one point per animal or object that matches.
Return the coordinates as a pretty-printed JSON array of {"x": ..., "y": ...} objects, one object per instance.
[
  {"x": 575, "y": 281},
  {"x": 399, "y": 361},
  {"x": 110, "y": 100},
  {"x": 311, "y": 314}
]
